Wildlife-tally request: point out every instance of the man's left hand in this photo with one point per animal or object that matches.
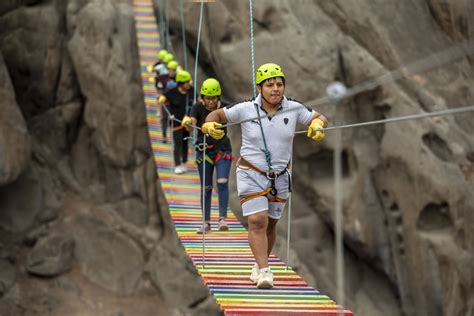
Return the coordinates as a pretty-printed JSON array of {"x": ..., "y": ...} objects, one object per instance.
[{"x": 316, "y": 127}]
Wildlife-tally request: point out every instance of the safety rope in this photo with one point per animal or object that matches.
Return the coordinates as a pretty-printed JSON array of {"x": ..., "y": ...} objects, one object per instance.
[
  {"x": 204, "y": 138},
  {"x": 338, "y": 215},
  {"x": 203, "y": 204},
  {"x": 183, "y": 35},
  {"x": 400, "y": 118},
  {"x": 266, "y": 152},
  {"x": 288, "y": 236},
  {"x": 169, "y": 43},
  {"x": 161, "y": 24},
  {"x": 197, "y": 49},
  {"x": 252, "y": 49}
]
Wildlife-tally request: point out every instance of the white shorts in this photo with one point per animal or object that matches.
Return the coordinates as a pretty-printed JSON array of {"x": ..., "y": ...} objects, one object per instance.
[{"x": 249, "y": 181}]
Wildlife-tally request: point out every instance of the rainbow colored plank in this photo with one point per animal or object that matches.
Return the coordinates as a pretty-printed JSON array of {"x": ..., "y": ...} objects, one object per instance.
[{"x": 226, "y": 263}]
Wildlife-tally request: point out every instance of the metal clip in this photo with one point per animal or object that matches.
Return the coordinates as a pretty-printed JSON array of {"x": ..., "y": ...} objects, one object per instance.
[{"x": 271, "y": 175}]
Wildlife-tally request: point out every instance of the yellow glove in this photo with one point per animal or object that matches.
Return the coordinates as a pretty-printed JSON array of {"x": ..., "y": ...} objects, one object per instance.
[
  {"x": 162, "y": 99},
  {"x": 211, "y": 129},
  {"x": 315, "y": 127},
  {"x": 187, "y": 120}
]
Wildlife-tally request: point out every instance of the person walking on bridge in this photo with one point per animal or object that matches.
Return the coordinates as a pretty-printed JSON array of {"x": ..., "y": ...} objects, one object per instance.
[
  {"x": 177, "y": 101},
  {"x": 263, "y": 179},
  {"x": 218, "y": 155}
]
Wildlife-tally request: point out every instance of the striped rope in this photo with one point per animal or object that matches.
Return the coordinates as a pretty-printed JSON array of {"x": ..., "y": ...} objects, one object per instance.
[{"x": 228, "y": 260}]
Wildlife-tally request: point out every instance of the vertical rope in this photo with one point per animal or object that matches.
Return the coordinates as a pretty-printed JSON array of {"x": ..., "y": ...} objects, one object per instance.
[
  {"x": 183, "y": 35},
  {"x": 170, "y": 125},
  {"x": 203, "y": 202},
  {"x": 252, "y": 49},
  {"x": 161, "y": 24},
  {"x": 169, "y": 43},
  {"x": 290, "y": 171},
  {"x": 197, "y": 50},
  {"x": 338, "y": 215}
]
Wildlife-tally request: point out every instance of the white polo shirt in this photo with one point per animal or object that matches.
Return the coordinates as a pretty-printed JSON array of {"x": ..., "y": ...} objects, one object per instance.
[{"x": 279, "y": 130}]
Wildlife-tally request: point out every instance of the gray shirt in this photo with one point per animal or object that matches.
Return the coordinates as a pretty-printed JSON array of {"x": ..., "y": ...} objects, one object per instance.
[{"x": 279, "y": 131}]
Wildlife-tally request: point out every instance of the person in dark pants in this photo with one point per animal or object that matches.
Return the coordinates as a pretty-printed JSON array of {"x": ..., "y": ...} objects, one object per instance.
[
  {"x": 169, "y": 84},
  {"x": 218, "y": 155},
  {"x": 176, "y": 101}
]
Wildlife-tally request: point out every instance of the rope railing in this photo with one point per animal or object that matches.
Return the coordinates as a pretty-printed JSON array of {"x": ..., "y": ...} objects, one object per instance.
[{"x": 399, "y": 119}]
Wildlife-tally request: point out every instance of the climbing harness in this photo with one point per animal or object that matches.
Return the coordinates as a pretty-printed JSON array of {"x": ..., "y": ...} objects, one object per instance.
[{"x": 272, "y": 176}]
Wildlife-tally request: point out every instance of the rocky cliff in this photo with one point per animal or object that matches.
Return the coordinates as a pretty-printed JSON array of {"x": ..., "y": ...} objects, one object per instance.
[{"x": 83, "y": 226}]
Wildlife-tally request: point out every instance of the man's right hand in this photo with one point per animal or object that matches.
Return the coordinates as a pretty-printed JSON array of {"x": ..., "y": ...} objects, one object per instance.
[{"x": 211, "y": 128}]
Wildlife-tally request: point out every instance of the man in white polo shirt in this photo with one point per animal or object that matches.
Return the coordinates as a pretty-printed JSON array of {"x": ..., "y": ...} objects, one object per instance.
[{"x": 263, "y": 180}]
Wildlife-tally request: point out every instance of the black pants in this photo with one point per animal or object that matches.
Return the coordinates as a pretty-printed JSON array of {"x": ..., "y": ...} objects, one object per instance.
[
  {"x": 164, "y": 122},
  {"x": 180, "y": 146}
]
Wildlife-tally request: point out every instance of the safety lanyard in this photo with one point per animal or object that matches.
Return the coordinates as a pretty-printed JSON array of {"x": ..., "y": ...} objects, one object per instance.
[{"x": 268, "y": 156}]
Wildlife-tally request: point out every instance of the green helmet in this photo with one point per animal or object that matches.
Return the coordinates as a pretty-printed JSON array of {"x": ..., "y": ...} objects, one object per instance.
[
  {"x": 169, "y": 57},
  {"x": 162, "y": 53},
  {"x": 183, "y": 76},
  {"x": 172, "y": 65},
  {"x": 268, "y": 71},
  {"x": 211, "y": 88}
]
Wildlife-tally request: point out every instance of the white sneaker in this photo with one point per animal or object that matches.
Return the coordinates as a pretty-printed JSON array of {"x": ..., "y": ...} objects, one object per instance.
[
  {"x": 265, "y": 281},
  {"x": 255, "y": 274},
  {"x": 183, "y": 167},
  {"x": 178, "y": 170}
]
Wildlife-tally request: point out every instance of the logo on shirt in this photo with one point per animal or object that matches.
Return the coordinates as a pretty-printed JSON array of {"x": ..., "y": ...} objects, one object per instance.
[{"x": 286, "y": 120}]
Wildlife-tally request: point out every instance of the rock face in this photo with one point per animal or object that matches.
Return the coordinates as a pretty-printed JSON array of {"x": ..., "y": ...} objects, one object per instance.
[
  {"x": 80, "y": 204},
  {"x": 408, "y": 187},
  {"x": 76, "y": 161}
]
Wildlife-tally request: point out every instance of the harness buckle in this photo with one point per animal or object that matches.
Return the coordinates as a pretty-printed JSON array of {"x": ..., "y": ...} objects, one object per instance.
[{"x": 271, "y": 175}]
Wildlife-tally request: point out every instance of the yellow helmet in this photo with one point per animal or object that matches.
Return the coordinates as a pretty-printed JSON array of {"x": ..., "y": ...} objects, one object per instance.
[
  {"x": 211, "y": 88},
  {"x": 183, "y": 76},
  {"x": 162, "y": 53},
  {"x": 169, "y": 57},
  {"x": 268, "y": 71},
  {"x": 172, "y": 65}
]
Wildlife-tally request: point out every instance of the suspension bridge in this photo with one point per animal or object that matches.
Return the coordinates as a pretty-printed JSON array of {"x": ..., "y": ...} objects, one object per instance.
[{"x": 224, "y": 259}]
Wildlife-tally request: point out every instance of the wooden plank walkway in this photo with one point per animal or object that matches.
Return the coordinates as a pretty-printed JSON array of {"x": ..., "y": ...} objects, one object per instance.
[{"x": 228, "y": 260}]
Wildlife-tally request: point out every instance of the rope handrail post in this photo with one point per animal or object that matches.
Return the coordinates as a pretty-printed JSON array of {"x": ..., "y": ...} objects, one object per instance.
[{"x": 336, "y": 92}]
